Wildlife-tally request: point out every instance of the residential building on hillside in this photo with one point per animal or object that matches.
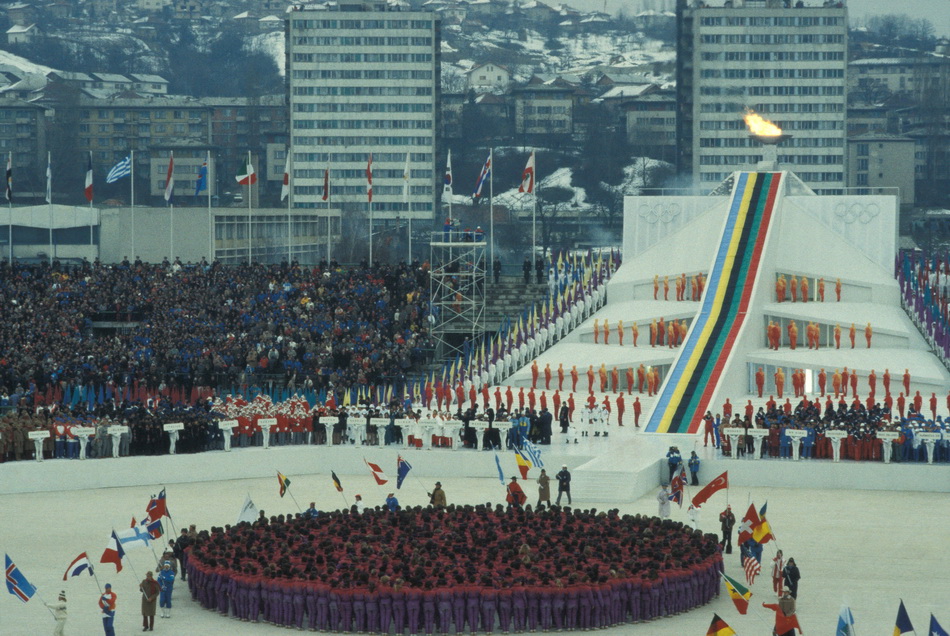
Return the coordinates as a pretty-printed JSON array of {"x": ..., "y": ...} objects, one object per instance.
[
  {"x": 543, "y": 108},
  {"x": 787, "y": 62},
  {"x": 364, "y": 81},
  {"x": 492, "y": 78},
  {"x": 879, "y": 160},
  {"x": 22, "y": 138}
]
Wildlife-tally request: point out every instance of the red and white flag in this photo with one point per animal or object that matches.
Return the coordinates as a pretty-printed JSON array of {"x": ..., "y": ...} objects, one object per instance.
[
  {"x": 752, "y": 568},
  {"x": 527, "y": 177},
  {"x": 113, "y": 553},
  {"x": 378, "y": 473},
  {"x": 369, "y": 178},
  {"x": 717, "y": 484},
  {"x": 247, "y": 176},
  {"x": 285, "y": 187},
  {"x": 88, "y": 188},
  {"x": 326, "y": 184},
  {"x": 170, "y": 178}
]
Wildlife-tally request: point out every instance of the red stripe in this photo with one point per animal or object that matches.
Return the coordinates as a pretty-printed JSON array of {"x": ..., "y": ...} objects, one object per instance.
[{"x": 751, "y": 277}]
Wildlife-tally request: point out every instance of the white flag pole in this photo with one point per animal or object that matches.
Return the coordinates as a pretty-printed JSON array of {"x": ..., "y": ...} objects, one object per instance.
[
  {"x": 49, "y": 200},
  {"x": 132, "y": 197},
  {"x": 210, "y": 215},
  {"x": 250, "y": 246},
  {"x": 491, "y": 204}
]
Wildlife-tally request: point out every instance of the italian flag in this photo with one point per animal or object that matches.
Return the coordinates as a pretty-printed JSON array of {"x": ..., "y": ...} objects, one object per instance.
[{"x": 247, "y": 176}]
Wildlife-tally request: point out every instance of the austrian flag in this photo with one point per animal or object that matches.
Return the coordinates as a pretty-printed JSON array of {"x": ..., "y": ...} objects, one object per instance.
[{"x": 378, "y": 473}]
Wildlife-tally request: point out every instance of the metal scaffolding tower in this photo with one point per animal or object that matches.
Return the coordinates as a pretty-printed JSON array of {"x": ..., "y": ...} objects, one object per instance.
[{"x": 457, "y": 289}]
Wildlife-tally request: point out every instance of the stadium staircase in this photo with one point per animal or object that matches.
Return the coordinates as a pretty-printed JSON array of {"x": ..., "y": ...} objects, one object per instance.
[
  {"x": 510, "y": 297},
  {"x": 691, "y": 382}
]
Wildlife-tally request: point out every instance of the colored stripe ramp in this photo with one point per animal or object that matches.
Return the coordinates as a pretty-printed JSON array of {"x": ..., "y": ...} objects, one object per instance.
[{"x": 691, "y": 382}]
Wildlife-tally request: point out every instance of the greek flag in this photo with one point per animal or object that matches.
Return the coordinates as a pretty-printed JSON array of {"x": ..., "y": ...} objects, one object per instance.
[
  {"x": 119, "y": 170},
  {"x": 533, "y": 452}
]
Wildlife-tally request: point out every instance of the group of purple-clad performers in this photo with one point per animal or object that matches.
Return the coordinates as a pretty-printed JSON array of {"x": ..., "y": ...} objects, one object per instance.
[{"x": 478, "y": 568}]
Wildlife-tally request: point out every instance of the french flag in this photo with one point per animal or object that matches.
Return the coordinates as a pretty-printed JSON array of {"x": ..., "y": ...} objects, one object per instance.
[
  {"x": 113, "y": 553},
  {"x": 88, "y": 189},
  {"x": 79, "y": 565}
]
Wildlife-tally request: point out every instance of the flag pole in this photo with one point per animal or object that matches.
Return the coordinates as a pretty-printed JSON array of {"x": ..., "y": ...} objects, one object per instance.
[
  {"x": 210, "y": 215},
  {"x": 290, "y": 234},
  {"x": 10, "y": 204},
  {"x": 534, "y": 212},
  {"x": 299, "y": 509},
  {"x": 90, "y": 205},
  {"x": 250, "y": 243},
  {"x": 327, "y": 193},
  {"x": 49, "y": 200},
  {"x": 43, "y": 601},
  {"x": 171, "y": 210},
  {"x": 132, "y": 197},
  {"x": 94, "y": 575},
  {"x": 347, "y": 503},
  {"x": 491, "y": 204}
]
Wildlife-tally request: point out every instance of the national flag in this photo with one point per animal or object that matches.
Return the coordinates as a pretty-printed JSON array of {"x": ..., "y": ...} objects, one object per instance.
[
  {"x": 501, "y": 473},
  {"x": 336, "y": 482},
  {"x": 718, "y": 627},
  {"x": 285, "y": 186},
  {"x": 284, "y": 483},
  {"x": 405, "y": 181},
  {"x": 447, "y": 181},
  {"x": 763, "y": 532},
  {"x": 157, "y": 507},
  {"x": 79, "y": 565},
  {"x": 247, "y": 176},
  {"x": 752, "y": 568},
  {"x": 739, "y": 594},
  {"x": 49, "y": 178},
  {"x": 135, "y": 537},
  {"x": 378, "y": 473},
  {"x": 935, "y": 628},
  {"x": 119, "y": 170},
  {"x": 369, "y": 178},
  {"x": 677, "y": 487},
  {"x": 88, "y": 189},
  {"x": 402, "y": 470},
  {"x": 326, "y": 184},
  {"x": 483, "y": 177},
  {"x": 903, "y": 625},
  {"x": 170, "y": 179},
  {"x": 533, "y": 452},
  {"x": 783, "y": 624},
  {"x": 10, "y": 177},
  {"x": 707, "y": 491},
  {"x": 524, "y": 464},
  {"x": 113, "y": 553},
  {"x": 750, "y": 522},
  {"x": 201, "y": 184},
  {"x": 845, "y": 622},
  {"x": 153, "y": 527},
  {"x": 248, "y": 511},
  {"x": 527, "y": 177},
  {"x": 17, "y": 583},
  {"x": 132, "y": 525}
]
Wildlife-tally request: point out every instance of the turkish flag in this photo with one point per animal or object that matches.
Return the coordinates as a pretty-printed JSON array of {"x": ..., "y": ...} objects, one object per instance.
[{"x": 717, "y": 484}]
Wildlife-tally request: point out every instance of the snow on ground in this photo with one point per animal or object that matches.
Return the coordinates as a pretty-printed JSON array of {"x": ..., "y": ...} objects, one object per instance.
[
  {"x": 25, "y": 65},
  {"x": 273, "y": 45},
  {"x": 865, "y": 548}
]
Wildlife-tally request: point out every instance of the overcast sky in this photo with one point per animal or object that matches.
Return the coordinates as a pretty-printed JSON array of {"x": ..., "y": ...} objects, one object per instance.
[{"x": 937, "y": 11}]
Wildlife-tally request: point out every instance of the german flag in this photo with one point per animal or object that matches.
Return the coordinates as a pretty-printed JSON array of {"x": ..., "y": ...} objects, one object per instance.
[
  {"x": 718, "y": 627},
  {"x": 336, "y": 482},
  {"x": 739, "y": 594},
  {"x": 284, "y": 483}
]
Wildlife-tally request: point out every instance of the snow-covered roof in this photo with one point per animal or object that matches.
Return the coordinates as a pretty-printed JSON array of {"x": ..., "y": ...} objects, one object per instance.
[
  {"x": 16, "y": 28},
  {"x": 145, "y": 77},
  {"x": 270, "y": 18},
  {"x": 110, "y": 77},
  {"x": 244, "y": 15},
  {"x": 18, "y": 5},
  {"x": 618, "y": 92}
]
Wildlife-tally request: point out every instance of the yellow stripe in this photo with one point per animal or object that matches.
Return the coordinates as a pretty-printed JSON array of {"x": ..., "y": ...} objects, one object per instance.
[{"x": 716, "y": 310}]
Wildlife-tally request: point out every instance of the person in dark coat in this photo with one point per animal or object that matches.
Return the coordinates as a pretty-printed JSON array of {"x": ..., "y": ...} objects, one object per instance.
[
  {"x": 727, "y": 521},
  {"x": 791, "y": 575}
]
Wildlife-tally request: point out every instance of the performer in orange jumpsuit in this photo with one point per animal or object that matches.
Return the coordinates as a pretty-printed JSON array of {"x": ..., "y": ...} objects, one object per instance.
[
  {"x": 666, "y": 288},
  {"x": 629, "y": 377},
  {"x": 918, "y": 401},
  {"x": 606, "y": 332},
  {"x": 556, "y": 400},
  {"x": 671, "y": 334},
  {"x": 900, "y": 404},
  {"x": 641, "y": 377},
  {"x": 780, "y": 288},
  {"x": 793, "y": 287},
  {"x": 872, "y": 383},
  {"x": 590, "y": 378},
  {"x": 867, "y": 334},
  {"x": 534, "y": 373},
  {"x": 683, "y": 329},
  {"x": 620, "y": 409},
  {"x": 854, "y": 384},
  {"x": 845, "y": 376},
  {"x": 531, "y": 399},
  {"x": 656, "y": 286},
  {"x": 837, "y": 336},
  {"x": 702, "y": 284},
  {"x": 543, "y": 401},
  {"x": 760, "y": 380},
  {"x": 726, "y": 410},
  {"x": 656, "y": 379},
  {"x": 679, "y": 289},
  {"x": 821, "y": 289},
  {"x": 497, "y": 397},
  {"x": 547, "y": 376},
  {"x": 907, "y": 381},
  {"x": 779, "y": 382},
  {"x": 560, "y": 377},
  {"x": 653, "y": 333},
  {"x": 838, "y": 289},
  {"x": 509, "y": 399},
  {"x": 933, "y": 406},
  {"x": 596, "y": 330},
  {"x": 521, "y": 398},
  {"x": 620, "y": 332},
  {"x": 803, "y": 287},
  {"x": 694, "y": 289},
  {"x": 635, "y": 333},
  {"x": 822, "y": 380},
  {"x": 636, "y": 412},
  {"x": 603, "y": 377},
  {"x": 792, "y": 335},
  {"x": 886, "y": 381},
  {"x": 614, "y": 380},
  {"x": 851, "y": 333},
  {"x": 573, "y": 378},
  {"x": 660, "y": 331}
]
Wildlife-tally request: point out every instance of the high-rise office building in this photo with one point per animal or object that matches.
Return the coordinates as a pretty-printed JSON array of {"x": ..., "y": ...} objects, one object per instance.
[
  {"x": 784, "y": 59},
  {"x": 364, "y": 80}
]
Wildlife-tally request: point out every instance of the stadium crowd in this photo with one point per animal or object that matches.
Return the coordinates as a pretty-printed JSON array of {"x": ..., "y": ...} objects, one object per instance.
[{"x": 474, "y": 567}]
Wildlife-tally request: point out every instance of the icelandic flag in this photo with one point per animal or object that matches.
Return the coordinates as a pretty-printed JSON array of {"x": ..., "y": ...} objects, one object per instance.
[
  {"x": 845, "y": 622},
  {"x": 202, "y": 183},
  {"x": 527, "y": 177},
  {"x": 402, "y": 470},
  {"x": 119, "y": 170},
  {"x": 17, "y": 583},
  {"x": 157, "y": 507},
  {"x": 113, "y": 553},
  {"x": 132, "y": 538},
  {"x": 170, "y": 179},
  {"x": 483, "y": 177},
  {"x": 533, "y": 453},
  {"x": 79, "y": 565},
  {"x": 447, "y": 182},
  {"x": 88, "y": 189}
]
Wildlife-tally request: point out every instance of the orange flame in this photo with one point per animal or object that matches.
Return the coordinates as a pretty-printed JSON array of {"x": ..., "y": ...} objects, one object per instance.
[{"x": 758, "y": 125}]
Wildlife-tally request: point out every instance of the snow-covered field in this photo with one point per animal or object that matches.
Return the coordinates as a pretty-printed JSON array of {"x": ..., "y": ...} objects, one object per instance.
[{"x": 866, "y": 548}]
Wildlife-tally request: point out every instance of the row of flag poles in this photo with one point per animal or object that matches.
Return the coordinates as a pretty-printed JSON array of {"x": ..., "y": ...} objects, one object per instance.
[{"x": 787, "y": 624}]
